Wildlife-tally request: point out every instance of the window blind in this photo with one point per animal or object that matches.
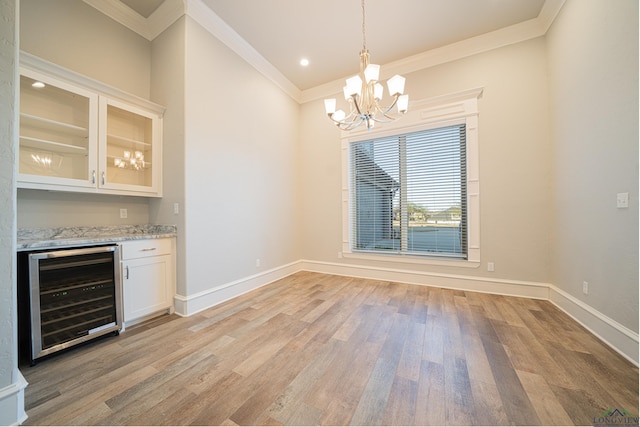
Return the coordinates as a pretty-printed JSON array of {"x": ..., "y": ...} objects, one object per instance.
[{"x": 408, "y": 193}]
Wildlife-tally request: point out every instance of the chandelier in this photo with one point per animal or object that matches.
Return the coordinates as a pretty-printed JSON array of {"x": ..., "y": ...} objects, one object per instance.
[
  {"x": 363, "y": 92},
  {"x": 135, "y": 162}
]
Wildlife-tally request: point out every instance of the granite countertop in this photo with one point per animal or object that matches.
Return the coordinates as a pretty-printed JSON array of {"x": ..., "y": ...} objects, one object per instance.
[{"x": 43, "y": 238}]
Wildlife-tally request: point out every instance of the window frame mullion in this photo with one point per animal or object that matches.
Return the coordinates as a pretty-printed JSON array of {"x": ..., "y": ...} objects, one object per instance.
[{"x": 404, "y": 207}]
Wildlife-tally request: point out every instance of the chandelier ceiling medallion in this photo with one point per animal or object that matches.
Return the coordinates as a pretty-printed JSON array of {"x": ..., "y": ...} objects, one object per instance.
[{"x": 364, "y": 93}]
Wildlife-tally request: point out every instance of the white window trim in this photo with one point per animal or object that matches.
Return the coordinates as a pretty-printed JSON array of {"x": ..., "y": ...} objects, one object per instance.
[{"x": 456, "y": 108}]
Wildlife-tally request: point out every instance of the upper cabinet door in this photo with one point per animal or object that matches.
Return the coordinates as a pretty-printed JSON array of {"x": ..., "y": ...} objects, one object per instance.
[
  {"x": 80, "y": 135},
  {"x": 130, "y": 148},
  {"x": 58, "y": 133}
]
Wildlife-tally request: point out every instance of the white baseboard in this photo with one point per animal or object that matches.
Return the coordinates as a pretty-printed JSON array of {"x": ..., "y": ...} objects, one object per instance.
[
  {"x": 617, "y": 336},
  {"x": 450, "y": 281},
  {"x": 186, "y": 306},
  {"x": 12, "y": 402}
]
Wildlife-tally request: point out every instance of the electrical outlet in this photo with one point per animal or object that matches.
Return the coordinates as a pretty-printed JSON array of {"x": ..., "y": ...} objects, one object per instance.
[
  {"x": 622, "y": 200},
  {"x": 123, "y": 213},
  {"x": 490, "y": 266},
  {"x": 257, "y": 262},
  {"x": 585, "y": 288},
  {"x": 176, "y": 208}
]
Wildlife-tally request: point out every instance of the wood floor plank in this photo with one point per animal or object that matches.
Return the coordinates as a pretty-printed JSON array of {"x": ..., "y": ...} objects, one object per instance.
[
  {"x": 355, "y": 356},
  {"x": 549, "y": 410},
  {"x": 374, "y": 399},
  {"x": 515, "y": 400},
  {"x": 345, "y": 397},
  {"x": 433, "y": 343},
  {"x": 318, "y": 349},
  {"x": 430, "y": 400},
  {"x": 285, "y": 407},
  {"x": 478, "y": 365},
  {"x": 488, "y": 409},
  {"x": 411, "y": 357},
  {"x": 401, "y": 405},
  {"x": 458, "y": 394}
]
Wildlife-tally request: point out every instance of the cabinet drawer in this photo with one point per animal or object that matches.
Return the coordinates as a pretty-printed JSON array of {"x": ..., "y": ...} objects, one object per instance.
[{"x": 145, "y": 248}]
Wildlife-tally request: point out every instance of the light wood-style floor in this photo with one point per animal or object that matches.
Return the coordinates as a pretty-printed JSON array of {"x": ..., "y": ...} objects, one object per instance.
[{"x": 315, "y": 349}]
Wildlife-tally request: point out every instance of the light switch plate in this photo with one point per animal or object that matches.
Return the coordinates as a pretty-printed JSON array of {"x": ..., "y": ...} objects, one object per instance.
[{"x": 622, "y": 200}]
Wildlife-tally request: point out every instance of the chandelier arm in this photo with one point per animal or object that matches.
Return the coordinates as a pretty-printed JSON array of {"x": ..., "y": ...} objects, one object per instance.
[
  {"x": 393, "y": 104},
  {"x": 350, "y": 122},
  {"x": 355, "y": 103},
  {"x": 353, "y": 125}
]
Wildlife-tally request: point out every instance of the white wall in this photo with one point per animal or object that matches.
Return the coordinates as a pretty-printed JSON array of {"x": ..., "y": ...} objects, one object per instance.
[
  {"x": 593, "y": 74},
  {"x": 11, "y": 381},
  {"x": 241, "y": 135},
  {"x": 515, "y": 165}
]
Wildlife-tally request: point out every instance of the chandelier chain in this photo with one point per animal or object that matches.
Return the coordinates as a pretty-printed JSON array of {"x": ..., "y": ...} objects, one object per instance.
[{"x": 364, "y": 36}]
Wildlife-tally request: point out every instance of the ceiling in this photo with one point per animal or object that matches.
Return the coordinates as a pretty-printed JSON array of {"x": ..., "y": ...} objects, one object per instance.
[
  {"x": 329, "y": 32},
  {"x": 143, "y": 7}
]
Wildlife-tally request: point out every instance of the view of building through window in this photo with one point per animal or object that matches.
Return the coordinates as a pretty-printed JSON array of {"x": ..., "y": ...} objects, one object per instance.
[{"x": 409, "y": 193}]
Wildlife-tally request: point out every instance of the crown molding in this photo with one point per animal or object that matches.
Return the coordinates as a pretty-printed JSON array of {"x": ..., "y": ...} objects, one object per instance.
[
  {"x": 499, "y": 38},
  {"x": 149, "y": 28},
  {"x": 164, "y": 16},
  {"x": 210, "y": 21},
  {"x": 171, "y": 10}
]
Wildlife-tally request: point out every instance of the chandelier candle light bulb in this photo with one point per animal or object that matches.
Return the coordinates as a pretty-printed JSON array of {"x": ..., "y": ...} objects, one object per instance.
[{"x": 364, "y": 93}]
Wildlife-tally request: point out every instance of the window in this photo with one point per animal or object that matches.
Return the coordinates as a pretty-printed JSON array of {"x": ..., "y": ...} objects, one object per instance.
[
  {"x": 409, "y": 193},
  {"x": 411, "y": 190}
]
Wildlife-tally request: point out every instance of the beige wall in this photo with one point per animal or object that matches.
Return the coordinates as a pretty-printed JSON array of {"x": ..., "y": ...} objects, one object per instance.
[
  {"x": 55, "y": 209},
  {"x": 167, "y": 88},
  {"x": 74, "y": 35},
  {"x": 593, "y": 73},
  {"x": 241, "y": 185},
  {"x": 514, "y": 155}
]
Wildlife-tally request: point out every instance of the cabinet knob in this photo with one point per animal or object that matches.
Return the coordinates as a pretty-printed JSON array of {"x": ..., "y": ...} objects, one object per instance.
[{"x": 103, "y": 178}]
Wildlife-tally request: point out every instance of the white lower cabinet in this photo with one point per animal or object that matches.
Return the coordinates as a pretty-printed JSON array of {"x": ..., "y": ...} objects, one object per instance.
[{"x": 148, "y": 278}]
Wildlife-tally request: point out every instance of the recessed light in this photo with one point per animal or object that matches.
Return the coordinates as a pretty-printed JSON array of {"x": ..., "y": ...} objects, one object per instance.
[
  {"x": 38, "y": 85},
  {"x": 304, "y": 62}
]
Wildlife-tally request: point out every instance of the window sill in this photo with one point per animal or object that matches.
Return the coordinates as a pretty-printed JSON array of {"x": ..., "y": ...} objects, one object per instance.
[{"x": 408, "y": 259}]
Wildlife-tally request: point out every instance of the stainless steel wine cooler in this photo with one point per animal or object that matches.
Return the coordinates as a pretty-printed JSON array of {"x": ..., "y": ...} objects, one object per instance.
[{"x": 75, "y": 295}]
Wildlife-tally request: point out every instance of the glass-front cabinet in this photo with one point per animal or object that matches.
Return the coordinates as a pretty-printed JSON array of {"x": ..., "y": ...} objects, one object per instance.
[
  {"x": 77, "y": 138},
  {"x": 131, "y": 160},
  {"x": 58, "y": 138}
]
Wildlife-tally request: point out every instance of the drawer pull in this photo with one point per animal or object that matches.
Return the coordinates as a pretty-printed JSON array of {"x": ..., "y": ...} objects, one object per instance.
[{"x": 148, "y": 249}]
